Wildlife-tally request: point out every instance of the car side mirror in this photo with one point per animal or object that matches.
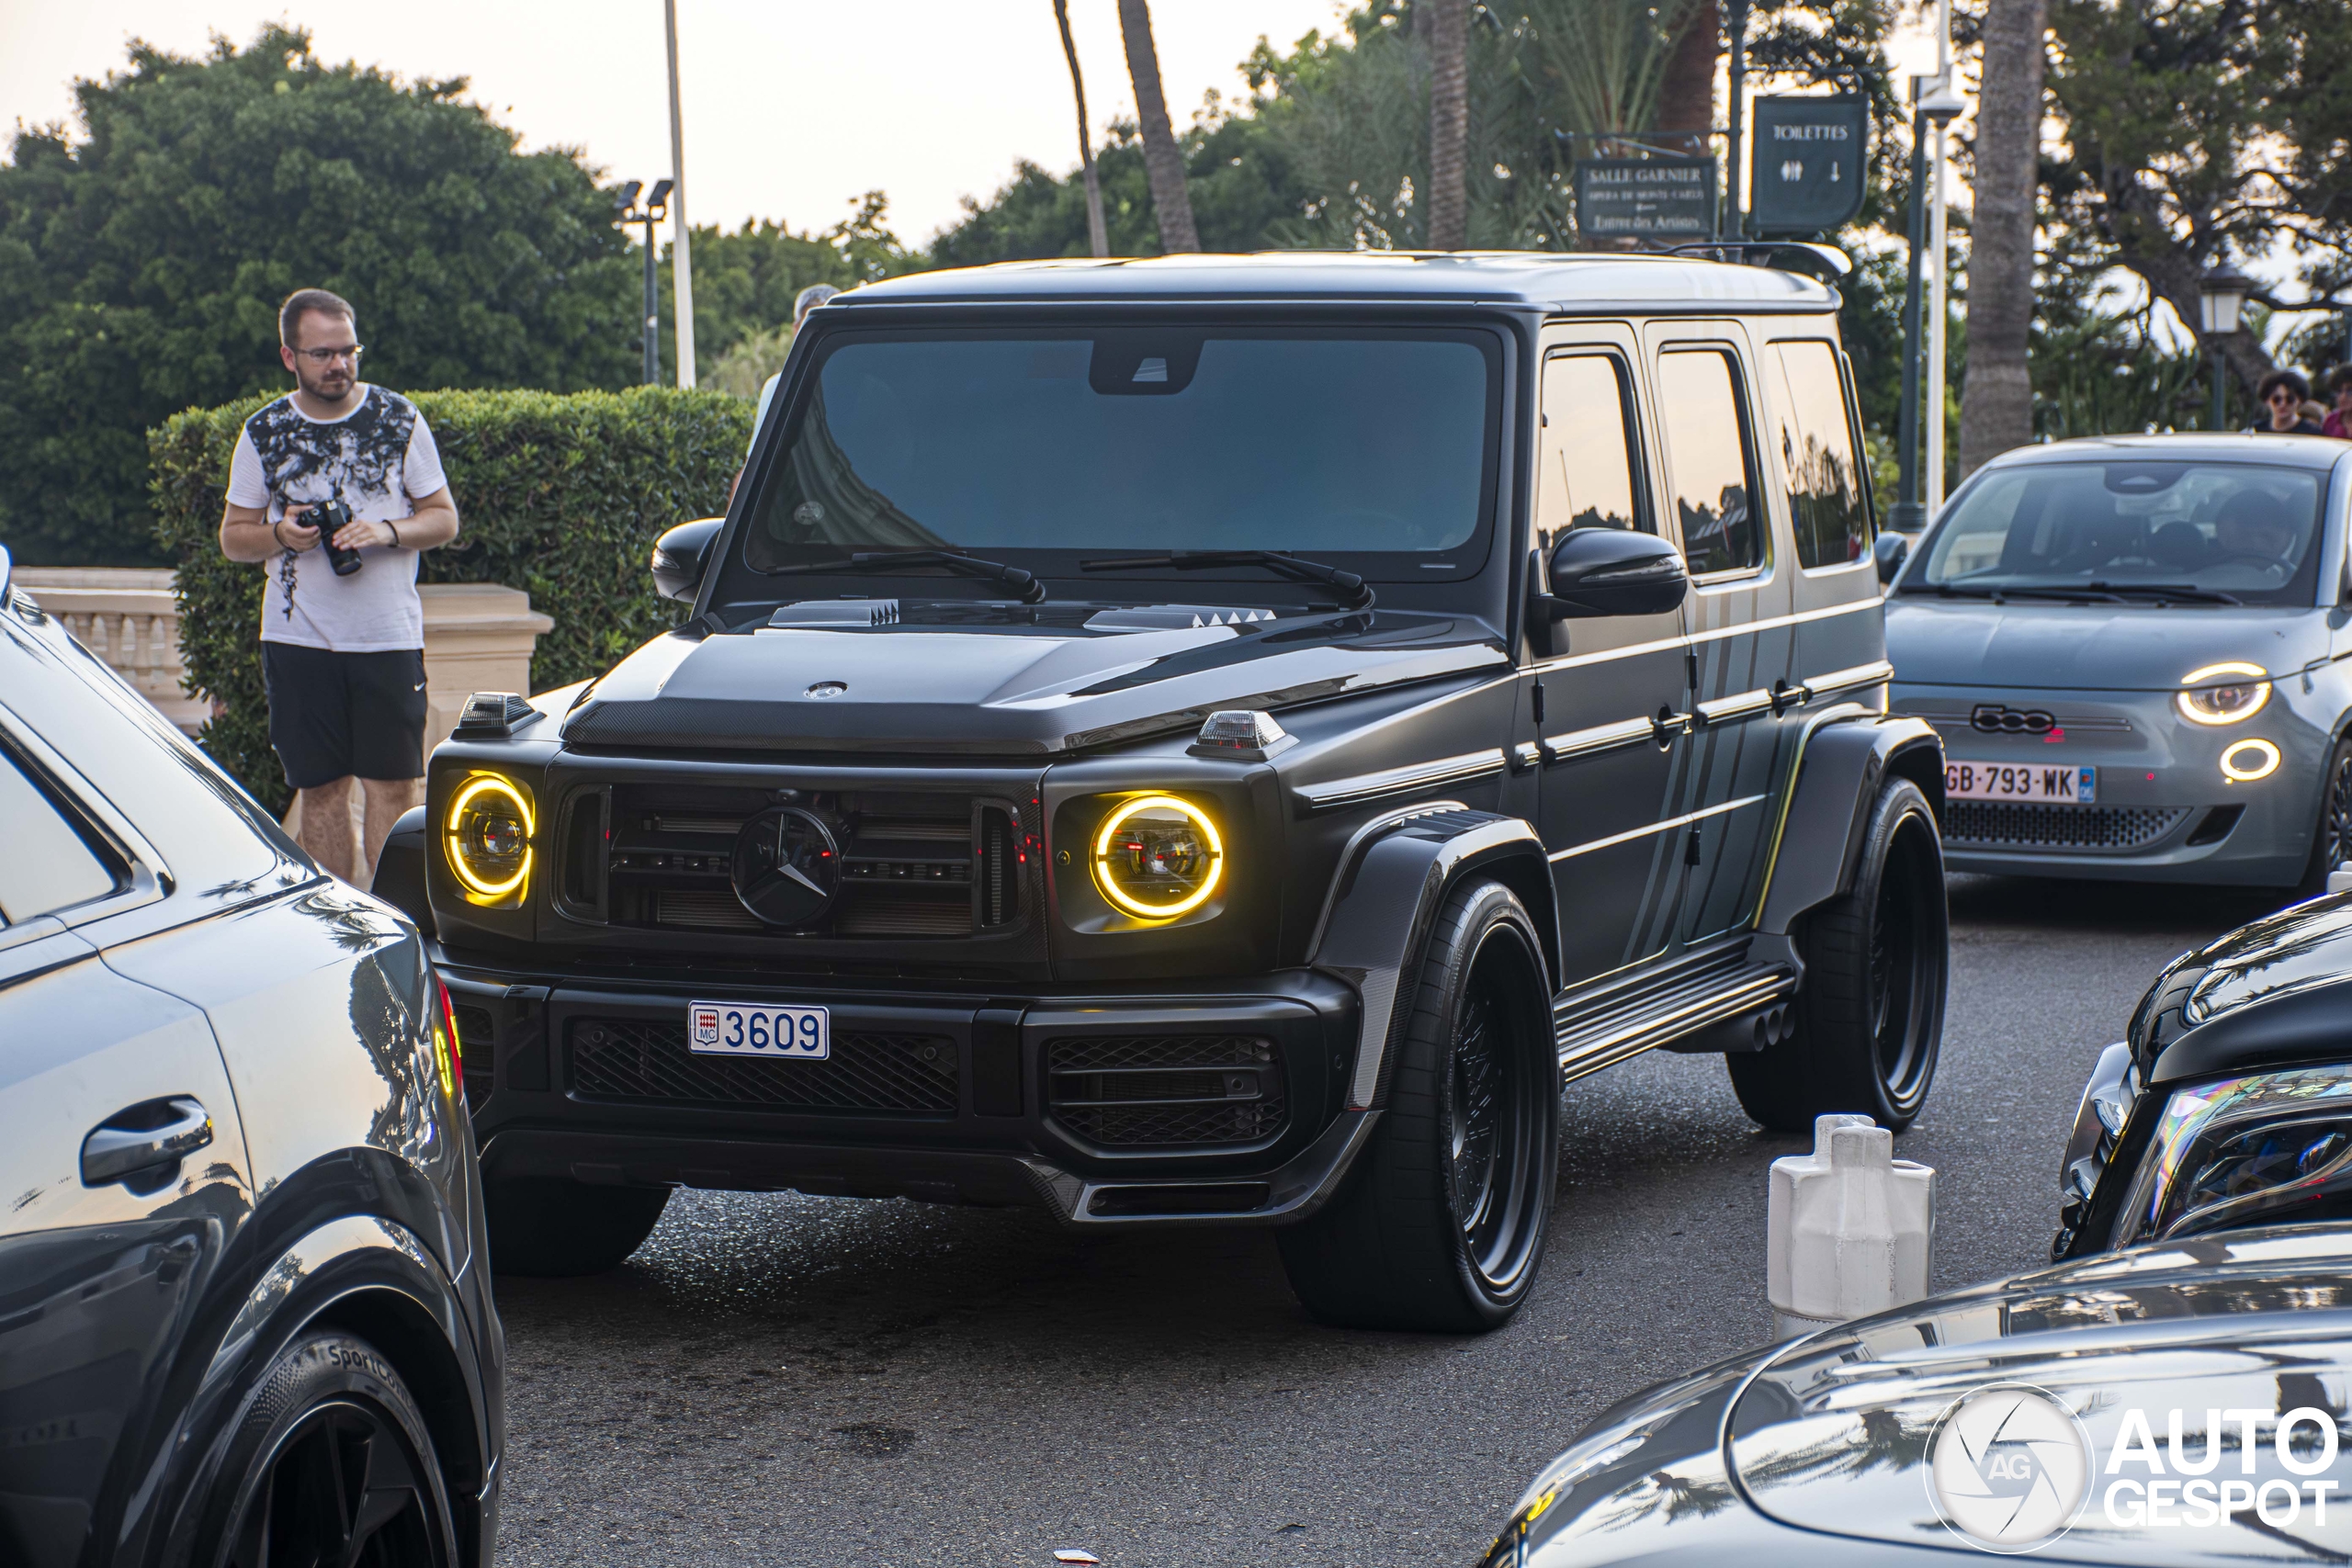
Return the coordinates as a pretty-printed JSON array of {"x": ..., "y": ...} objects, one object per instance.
[
  {"x": 1613, "y": 571},
  {"x": 680, "y": 555},
  {"x": 1892, "y": 550}
]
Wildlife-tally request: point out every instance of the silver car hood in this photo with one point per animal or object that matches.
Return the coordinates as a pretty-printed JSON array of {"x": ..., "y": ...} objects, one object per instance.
[{"x": 1977, "y": 643}]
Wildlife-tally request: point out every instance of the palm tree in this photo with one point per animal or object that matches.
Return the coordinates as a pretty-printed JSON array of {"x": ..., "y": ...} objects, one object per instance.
[
  {"x": 1997, "y": 392},
  {"x": 1449, "y": 201},
  {"x": 1095, "y": 232},
  {"x": 1161, "y": 161},
  {"x": 1686, "y": 100}
]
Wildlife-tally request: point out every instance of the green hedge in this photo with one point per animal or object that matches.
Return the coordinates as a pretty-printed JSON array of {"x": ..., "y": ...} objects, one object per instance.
[{"x": 561, "y": 496}]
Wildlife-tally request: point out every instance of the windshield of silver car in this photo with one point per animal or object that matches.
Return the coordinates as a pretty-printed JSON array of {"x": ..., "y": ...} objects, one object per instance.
[
  {"x": 2137, "y": 531},
  {"x": 1366, "y": 444}
]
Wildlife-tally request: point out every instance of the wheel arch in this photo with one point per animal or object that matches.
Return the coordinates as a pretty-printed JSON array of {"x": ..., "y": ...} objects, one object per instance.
[
  {"x": 1843, "y": 761},
  {"x": 1392, "y": 882}
]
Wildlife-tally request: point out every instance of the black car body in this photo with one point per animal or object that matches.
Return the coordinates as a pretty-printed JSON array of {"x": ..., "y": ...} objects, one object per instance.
[
  {"x": 2229, "y": 1352},
  {"x": 245, "y": 1226},
  {"x": 2230, "y": 1101},
  {"x": 939, "y": 650}
]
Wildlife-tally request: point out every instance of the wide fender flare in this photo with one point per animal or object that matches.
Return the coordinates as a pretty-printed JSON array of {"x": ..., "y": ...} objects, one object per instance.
[
  {"x": 1391, "y": 882},
  {"x": 1843, "y": 761}
]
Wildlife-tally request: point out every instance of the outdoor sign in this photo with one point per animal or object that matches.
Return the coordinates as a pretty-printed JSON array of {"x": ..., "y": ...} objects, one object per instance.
[
  {"x": 1807, "y": 174},
  {"x": 1647, "y": 199}
]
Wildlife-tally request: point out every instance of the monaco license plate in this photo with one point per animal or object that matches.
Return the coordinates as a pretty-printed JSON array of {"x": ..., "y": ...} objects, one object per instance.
[
  {"x": 750, "y": 1029},
  {"x": 2042, "y": 784}
]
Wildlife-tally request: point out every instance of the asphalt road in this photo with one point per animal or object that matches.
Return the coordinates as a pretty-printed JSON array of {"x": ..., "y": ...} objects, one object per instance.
[{"x": 788, "y": 1379}]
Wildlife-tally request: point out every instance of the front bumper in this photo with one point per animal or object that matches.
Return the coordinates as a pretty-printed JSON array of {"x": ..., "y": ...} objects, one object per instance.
[
  {"x": 2166, "y": 809},
  {"x": 1053, "y": 1098}
]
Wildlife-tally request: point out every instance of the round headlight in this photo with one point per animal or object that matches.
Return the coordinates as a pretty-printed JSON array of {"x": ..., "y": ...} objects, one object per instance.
[
  {"x": 1157, "y": 857},
  {"x": 488, "y": 833},
  {"x": 2227, "y": 704},
  {"x": 2249, "y": 761}
]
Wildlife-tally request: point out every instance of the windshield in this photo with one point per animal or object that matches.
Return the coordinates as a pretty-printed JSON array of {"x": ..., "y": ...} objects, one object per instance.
[
  {"x": 2134, "y": 529},
  {"x": 1368, "y": 445}
]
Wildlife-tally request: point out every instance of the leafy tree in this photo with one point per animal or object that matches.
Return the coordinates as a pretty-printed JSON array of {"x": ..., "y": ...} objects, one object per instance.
[
  {"x": 746, "y": 281},
  {"x": 141, "y": 266}
]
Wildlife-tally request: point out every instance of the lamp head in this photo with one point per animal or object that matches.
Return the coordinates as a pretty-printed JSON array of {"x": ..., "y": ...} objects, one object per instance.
[
  {"x": 1934, "y": 98},
  {"x": 626, "y": 197},
  {"x": 657, "y": 201},
  {"x": 2221, "y": 297}
]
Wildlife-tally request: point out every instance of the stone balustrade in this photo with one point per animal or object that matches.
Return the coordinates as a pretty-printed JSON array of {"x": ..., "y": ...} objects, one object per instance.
[{"x": 129, "y": 617}]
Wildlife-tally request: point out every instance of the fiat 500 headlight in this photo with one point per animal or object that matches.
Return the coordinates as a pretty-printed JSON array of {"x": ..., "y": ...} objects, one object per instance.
[
  {"x": 2212, "y": 696},
  {"x": 1157, "y": 857},
  {"x": 2263, "y": 1149},
  {"x": 487, "y": 833}
]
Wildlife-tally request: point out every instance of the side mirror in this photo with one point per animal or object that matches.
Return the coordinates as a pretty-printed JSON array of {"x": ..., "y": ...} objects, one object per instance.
[
  {"x": 1892, "y": 550},
  {"x": 1613, "y": 571},
  {"x": 680, "y": 555}
]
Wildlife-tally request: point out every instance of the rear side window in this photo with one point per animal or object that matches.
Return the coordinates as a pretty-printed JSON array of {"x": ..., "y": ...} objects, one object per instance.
[
  {"x": 1825, "y": 499},
  {"x": 47, "y": 866},
  {"x": 1700, "y": 408},
  {"x": 1586, "y": 463}
]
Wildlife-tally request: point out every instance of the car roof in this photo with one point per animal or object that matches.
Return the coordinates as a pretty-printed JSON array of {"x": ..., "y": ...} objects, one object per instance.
[
  {"x": 2293, "y": 451},
  {"x": 1548, "y": 280}
]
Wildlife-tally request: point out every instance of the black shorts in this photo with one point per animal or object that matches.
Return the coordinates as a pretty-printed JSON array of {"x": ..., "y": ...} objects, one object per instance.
[{"x": 335, "y": 715}]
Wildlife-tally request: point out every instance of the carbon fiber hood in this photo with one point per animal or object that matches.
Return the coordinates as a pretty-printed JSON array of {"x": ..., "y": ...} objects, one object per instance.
[{"x": 1017, "y": 690}]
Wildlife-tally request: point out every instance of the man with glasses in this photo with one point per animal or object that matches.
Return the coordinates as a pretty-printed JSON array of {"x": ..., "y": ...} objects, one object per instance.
[{"x": 343, "y": 653}]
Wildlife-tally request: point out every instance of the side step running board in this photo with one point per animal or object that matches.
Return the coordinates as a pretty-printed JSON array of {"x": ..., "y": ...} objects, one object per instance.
[{"x": 1590, "y": 1041}]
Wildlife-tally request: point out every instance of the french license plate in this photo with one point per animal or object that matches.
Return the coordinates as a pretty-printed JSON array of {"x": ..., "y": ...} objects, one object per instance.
[
  {"x": 2043, "y": 784},
  {"x": 746, "y": 1029}
]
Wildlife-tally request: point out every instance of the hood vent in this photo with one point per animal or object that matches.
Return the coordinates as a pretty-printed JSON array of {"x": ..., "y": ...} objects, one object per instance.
[
  {"x": 1176, "y": 617},
  {"x": 831, "y": 615}
]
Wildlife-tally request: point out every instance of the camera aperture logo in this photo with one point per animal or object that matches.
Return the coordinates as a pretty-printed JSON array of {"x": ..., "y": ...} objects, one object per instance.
[{"x": 2008, "y": 1468}]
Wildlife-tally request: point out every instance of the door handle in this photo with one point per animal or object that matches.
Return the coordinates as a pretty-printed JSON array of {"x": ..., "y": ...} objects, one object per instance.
[
  {"x": 141, "y": 1138},
  {"x": 1668, "y": 725}
]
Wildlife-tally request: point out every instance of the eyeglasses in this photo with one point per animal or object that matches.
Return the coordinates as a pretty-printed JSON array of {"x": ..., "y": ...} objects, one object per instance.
[
  {"x": 2282, "y": 395},
  {"x": 329, "y": 355}
]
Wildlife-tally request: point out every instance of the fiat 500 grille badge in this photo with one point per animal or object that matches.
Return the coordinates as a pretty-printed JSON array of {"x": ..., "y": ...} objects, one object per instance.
[
  {"x": 787, "y": 866},
  {"x": 1993, "y": 718}
]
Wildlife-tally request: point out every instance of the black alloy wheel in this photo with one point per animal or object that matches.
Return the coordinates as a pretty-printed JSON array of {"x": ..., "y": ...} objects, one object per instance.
[
  {"x": 1869, "y": 1018},
  {"x": 1441, "y": 1224},
  {"x": 331, "y": 1466},
  {"x": 2332, "y": 835}
]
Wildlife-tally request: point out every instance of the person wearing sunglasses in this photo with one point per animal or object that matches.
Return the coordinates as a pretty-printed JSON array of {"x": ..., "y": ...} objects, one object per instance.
[
  {"x": 342, "y": 630},
  {"x": 2284, "y": 394}
]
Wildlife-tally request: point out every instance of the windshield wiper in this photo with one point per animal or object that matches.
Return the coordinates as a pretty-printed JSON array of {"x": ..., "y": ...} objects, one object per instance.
[
  {"x": 1032, "y": 587},
  {"x": 1954, "y": 591},
  {"x": 1356, "y": 593},
  {"x": 2183, "y": 590}
]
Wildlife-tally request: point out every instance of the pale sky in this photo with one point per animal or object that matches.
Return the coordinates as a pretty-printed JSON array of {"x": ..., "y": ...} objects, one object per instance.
[{"x": 792, "y": 108}]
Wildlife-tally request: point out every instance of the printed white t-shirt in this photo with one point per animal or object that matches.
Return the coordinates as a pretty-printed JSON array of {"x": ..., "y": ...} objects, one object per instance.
[{"x": 380, "y": 458}]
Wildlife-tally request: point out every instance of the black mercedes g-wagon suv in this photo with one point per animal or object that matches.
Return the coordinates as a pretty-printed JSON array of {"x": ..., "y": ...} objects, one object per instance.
[{"x": 1215, "y": 741}]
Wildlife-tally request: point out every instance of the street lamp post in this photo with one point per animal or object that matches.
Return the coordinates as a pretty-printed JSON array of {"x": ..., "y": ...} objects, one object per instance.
[
  {"x": 2220, "y": 296},
  {"x": 627, "y": 209},
  {"x": 1934, "y": 105}
]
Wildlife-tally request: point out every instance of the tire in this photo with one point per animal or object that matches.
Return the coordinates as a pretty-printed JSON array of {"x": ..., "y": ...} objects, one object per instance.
[
  {"x": 546, "y": 1227},
  {"x": 1440, "y": 1225},
  {"x": 329, "y": 1462},
  {"x": 2331, "y": 834},
  {"x": 1870, "y": 1017}
]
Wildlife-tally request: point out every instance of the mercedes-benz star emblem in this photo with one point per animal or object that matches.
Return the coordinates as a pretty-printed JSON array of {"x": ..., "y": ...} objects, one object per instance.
[
  {"x": 824, "y": 689},
  {"x": 788, "y": 867},
  {"x": 2008, "y": 1468}
]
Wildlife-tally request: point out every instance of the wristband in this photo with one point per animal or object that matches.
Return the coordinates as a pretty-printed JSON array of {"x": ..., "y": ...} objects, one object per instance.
[
  {"x": 394, "y": 531},
  {"x": 278, "y": 538}
]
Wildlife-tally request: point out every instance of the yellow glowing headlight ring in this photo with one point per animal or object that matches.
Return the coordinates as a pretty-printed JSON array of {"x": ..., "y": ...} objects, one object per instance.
[
  {"x": 2265, "y": 761},
  {"x": 2251, "y": 675},
  {"x": 477, "y": 889},
  {"x": 1118, "y": 897}
]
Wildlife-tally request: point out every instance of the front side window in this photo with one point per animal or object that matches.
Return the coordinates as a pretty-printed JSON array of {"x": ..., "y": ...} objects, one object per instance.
[
  {"x": 1827, "y": 501},
  {"x": 1700, "y": 408},
  {"x": 48, "y": 865},
  {"x": 1585, "y": 465},
  {"x": 2133, "y": 529},
  {"x": 1369, "y": 443}
]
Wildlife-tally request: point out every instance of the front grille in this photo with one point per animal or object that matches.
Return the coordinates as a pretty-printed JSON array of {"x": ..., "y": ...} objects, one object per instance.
[
  {"x": 2058, "y": 826},
  {"x": 631, "y": 1059},
  {"x": 912, "y": 864},
  {"x": 477, "y": 1051},
  {"x": 1125, "y": 1090}
]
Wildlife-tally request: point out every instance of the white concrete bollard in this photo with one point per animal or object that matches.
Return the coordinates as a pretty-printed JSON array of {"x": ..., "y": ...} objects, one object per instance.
[{"x": 1848, "y": 1228}]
